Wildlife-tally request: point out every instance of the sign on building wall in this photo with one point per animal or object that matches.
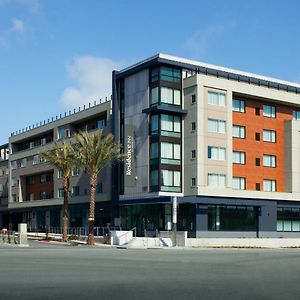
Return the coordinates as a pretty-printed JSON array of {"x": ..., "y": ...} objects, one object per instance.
[{"x": 130, "y": 171}]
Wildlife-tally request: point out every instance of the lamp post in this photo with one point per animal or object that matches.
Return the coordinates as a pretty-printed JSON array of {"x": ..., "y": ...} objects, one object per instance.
[{"x": 174, "y": 218}]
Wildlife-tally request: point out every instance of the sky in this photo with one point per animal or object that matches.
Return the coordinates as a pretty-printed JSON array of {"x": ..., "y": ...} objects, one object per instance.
[{"x": 57, "y": 55}]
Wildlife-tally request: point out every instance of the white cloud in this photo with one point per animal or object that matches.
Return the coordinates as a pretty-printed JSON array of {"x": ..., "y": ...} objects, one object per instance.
[
  {"x": 199, "y": 43},
  {"x": 92, "y": 80},
  {"x": 17, "y": 25}
]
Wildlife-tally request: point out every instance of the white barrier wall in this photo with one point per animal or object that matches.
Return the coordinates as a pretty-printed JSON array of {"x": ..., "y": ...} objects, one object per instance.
[{"x": 120, "y": 237}]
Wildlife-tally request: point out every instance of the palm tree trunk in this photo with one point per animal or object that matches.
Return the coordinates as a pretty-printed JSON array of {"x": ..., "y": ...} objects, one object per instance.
[
  {"x": 66, "y": 185},
  {"x": 93, "y": 183}
]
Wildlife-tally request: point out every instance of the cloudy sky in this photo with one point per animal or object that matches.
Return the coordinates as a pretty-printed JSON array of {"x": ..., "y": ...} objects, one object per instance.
[{"x": 59, "y": 54}]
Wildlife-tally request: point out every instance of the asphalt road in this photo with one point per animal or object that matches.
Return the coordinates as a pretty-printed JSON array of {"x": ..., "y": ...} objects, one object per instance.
[{"x": 78, "y": 272}]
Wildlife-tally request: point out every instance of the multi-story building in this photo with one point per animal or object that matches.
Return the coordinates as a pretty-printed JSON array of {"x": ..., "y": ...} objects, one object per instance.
[
  {"x": 225, "y": 142},
  {"x": 35, "y": 193}
]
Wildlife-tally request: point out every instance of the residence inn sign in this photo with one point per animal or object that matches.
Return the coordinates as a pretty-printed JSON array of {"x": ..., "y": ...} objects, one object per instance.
[{"x": 130, "y": 172}]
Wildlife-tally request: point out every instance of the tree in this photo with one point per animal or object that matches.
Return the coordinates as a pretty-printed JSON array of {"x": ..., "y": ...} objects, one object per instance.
[
  {"x": 61, "y": 156},
  {"x": 94, "y": 152}
]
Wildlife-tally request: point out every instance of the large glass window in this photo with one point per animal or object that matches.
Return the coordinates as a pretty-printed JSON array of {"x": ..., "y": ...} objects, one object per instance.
[
  {"x": 296, "y": 115},
  {"x": 218, "y": 126},
  {"x": 215, "y": 98},
  {"x": 170, "y": 181},
  {"x": 170, "y": 153},
  {"x": 170, "y": 74},
  {"x": 269, "y": 136},
  {"x": 170, "y": 125},
  {"x": 232, "y": 218},
  {"x": 269, "y": 160},
  {"x": 269, "y": 111},
  {"x": 170, "y": 96},
  {"x": 238, "y": 105},
  {"x": 239, "y": 183},
  {"x": 216, "y": 153},
  {"x": 154, "y": 124},
  {"x": 154, "y": 180},
  {"x": 216, "y": 180},
  {"x": 238, "y": 157},
  {"x": 269, "y": 185},
  {"x": 238, "y": 131},
  {"x": 154, "y": 95},
  {"x": 154, "y": 153},
  {"x": 288, "y": 219}
]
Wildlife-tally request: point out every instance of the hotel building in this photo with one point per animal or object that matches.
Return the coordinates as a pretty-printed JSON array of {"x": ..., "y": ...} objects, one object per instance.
[{"x": 225, "y": 142}]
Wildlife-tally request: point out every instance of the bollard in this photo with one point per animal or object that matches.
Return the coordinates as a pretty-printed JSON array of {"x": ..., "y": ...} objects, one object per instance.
[{"x": 22, "y": 240}]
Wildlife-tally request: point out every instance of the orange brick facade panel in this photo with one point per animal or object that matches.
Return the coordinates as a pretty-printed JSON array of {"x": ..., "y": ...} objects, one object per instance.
[{"x": 256, "y": 149}]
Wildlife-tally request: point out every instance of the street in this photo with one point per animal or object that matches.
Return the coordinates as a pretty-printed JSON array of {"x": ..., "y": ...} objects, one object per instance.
[{"x": 45, "y": 271}]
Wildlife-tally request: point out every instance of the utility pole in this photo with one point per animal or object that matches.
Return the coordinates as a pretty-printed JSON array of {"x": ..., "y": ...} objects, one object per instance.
[{"x": 174, "y": 218}]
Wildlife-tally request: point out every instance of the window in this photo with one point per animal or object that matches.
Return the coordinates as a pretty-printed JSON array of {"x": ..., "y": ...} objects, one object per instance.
[
  {"x": 154, "y": 95},
  {"x": 14, "y": 197},
  {"x": 75, "y": 190},
  {"x": 257, "y": 136},
  {"x": 193, "y": 125},
  {"x": 193, "y": 181},
  {"x": 60, "y": 174},
  {"x": 14, "y": 164},
  {"x": 238, "y": 157},
  {"x": 296, "y": 115},
  {"x": 170, "y": 96},
  {"x": 63, "y": 132},
  {"x": 269, "y": 185},
  {"x": 238, "y": 131},
  {"x": 154, "y": 152},
  {"x": 60, "y": 193},
  {"x": 257, "y": 161},
  {"x": 257, "y": 186},
  {"x": 238, "y": 105},
  {"x": 217, "y": 180},
  {"x": 269, "y": 111},
  {"x": 216, "y": 153},
  {"x": 154, "y": 180},
  {"x": 193, "y": 98},
  {"x": 288, "y": 219},
  {"x": 154, "y": 74},
  {"x": 170, "y": 153},
  {"x": 269, "y": 161},
  {"x": 43, "y": 141},
  {"x": 42, "y": 195},
  {"x": 231, "y": 218},
  {"x": 46, "y": 178},
  {"x": 269, "y": 136},
  {"x": 101, "y": 123},
  {"x": 36, "y": 160},
  {"x": 75, "y": 172},
  {"x": 239, "y": 183},
  {"x": 22, "y": 163},
  {"x": 170, "y": 74},
  {"x": 154, "y": 124},
  {"x": 99, "y": 188},
  {"x": 257, "y": 111},
  {"x": 170, "y": 125},
  {"x": 218, "y": 126},
  {"x": 193, "y": 154},
  {"x": 216, "y": 98},
  {"x": 170, "y": 181}
]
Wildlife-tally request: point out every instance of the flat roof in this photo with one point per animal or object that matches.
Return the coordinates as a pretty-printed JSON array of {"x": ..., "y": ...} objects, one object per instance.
[{"x": 210, "y": 69}]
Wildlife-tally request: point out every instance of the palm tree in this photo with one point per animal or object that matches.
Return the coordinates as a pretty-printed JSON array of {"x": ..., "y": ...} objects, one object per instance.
[
  {"x": 95, "y": 151},
  {"x": 62, "y": 157}
]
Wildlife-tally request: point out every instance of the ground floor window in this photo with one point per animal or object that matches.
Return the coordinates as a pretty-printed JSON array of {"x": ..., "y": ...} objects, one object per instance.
[
  {"x": 232, "y": 218},
  {"x": 288, "y": 219}
]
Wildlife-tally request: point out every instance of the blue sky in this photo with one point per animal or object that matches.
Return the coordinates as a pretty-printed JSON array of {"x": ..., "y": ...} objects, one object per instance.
[{"x": 58, "y": 54}]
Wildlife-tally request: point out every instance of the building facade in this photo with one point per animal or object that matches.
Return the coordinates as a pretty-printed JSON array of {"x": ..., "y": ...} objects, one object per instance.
[{"x": 225, "y": 142}]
